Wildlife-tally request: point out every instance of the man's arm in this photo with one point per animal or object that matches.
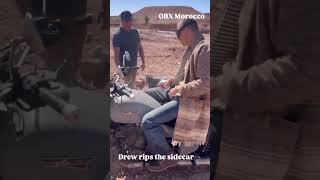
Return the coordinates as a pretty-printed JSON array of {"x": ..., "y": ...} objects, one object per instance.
[
  {"x": 281, "y": 81},
  {"x": 141, "y": 53},
  {"x": 116, "y": 51},
  {"x": 116, "y": 48},
  {"x": 201, "y": 85},
  {"x": 179, "y": 76}
]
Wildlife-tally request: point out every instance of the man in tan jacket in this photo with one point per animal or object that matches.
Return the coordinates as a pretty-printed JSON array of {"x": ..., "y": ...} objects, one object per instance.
[
  {"x": 270, "y": 94},
  {"x": 195, "y": 82}
]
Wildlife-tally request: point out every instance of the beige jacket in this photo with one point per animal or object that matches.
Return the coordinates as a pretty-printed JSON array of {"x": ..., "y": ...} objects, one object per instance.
[
  {"x": 194, "y": 109},
  {"x": 196, "y": 82},
  {"x": 271, "y": 123}
]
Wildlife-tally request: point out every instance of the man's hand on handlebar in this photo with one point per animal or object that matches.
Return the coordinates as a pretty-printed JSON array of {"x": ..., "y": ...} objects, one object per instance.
[{"x": 173, "y": 92}]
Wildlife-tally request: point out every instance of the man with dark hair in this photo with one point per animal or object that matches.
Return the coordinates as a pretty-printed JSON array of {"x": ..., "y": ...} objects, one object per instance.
[
  {"x": 127, "y": 39},
  {"x": 269, "y": 92},
  {"x": 193, "y": 26},
  {"x": 191, "y": 82}
]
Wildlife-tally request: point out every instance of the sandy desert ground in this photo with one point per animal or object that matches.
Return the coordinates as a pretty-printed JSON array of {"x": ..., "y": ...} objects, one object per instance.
[{"x": 162, "y": 50}]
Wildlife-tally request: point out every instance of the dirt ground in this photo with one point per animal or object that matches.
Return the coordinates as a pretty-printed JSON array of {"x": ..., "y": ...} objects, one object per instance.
[{"x": 162, "y": 51}]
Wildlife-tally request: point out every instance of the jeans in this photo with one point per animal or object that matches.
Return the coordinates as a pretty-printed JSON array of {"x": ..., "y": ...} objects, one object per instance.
[
  {"x": 151, "y": 122},
  {"x": 159, "y": 94}
]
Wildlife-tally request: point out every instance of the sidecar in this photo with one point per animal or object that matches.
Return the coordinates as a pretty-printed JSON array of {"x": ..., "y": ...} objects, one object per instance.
[{"x": 128, "y": 106}]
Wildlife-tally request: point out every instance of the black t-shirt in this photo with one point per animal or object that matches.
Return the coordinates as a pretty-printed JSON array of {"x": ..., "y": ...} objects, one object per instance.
[{"x": 127, "y": 41}]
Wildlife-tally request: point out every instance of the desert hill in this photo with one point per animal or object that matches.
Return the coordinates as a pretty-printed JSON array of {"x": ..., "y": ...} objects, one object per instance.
[{"x": 152, "y": 12}]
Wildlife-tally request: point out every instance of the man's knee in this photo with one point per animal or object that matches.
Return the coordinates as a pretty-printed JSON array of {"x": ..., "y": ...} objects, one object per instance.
[
  {"x": 148, "y": 121},
  {"x": 150, "y": 91}
]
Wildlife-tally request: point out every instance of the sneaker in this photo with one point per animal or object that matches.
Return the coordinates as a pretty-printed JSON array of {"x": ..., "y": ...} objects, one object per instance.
[{"x": 161, "y": 165}]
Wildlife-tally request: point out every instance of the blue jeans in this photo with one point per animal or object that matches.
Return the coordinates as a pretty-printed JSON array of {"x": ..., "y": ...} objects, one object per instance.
[
  {"x": 159, "y": 94},
  {"x": 157, "y": 143}
]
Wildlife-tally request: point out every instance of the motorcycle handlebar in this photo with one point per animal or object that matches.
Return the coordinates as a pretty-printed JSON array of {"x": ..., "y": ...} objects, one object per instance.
[
  {"x": 69, "y": 111},
  {"x": 128, "y": 94},
  {"x": 123, "y": 67}
]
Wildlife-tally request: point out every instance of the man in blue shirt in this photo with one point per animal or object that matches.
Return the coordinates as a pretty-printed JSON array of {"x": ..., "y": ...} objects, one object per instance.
[{"x": 127, "y": 39}]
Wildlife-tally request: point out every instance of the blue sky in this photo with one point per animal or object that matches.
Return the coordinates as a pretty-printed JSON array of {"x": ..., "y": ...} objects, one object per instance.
[{"x": 116, "y": 6}]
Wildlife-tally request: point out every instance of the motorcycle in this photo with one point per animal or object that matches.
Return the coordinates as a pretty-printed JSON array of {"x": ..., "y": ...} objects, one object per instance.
[
  {"x": 54, "y": 151},
  {"x": 128, "y": 106}
]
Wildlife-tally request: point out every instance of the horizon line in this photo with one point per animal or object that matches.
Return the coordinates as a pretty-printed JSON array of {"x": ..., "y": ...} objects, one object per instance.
[{"x": 165, "y": 6}]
